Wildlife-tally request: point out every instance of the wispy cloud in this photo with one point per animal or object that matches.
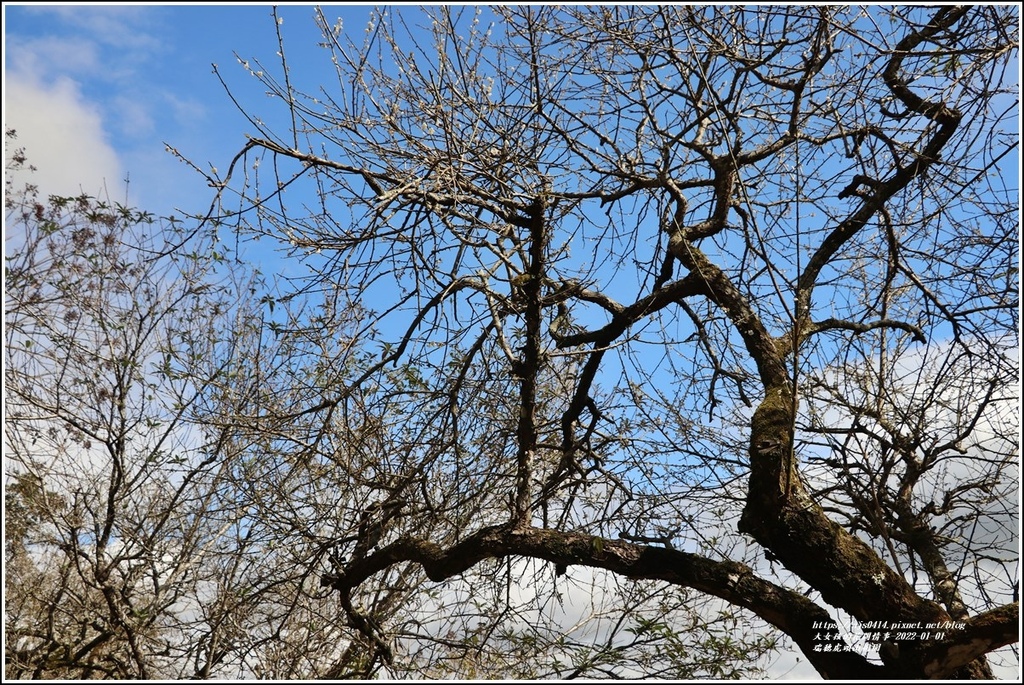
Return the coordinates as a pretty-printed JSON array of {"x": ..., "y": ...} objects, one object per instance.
[
  {"x": 122, "y": 26},
  {"x": 49, "y": 57}
]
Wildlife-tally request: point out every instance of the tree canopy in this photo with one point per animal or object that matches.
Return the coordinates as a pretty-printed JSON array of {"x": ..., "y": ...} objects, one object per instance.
[{"x": 710, "y": 311}]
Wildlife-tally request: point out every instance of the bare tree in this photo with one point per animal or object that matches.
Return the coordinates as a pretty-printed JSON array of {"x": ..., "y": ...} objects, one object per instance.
[
  {"x": 137, "y": 545},
  {"x": 679, "y": 293},
  {"x": 110, "y": 493}
]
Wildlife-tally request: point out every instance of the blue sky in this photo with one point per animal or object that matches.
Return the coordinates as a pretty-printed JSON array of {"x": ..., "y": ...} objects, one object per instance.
[{"x": 96, "y": 91}]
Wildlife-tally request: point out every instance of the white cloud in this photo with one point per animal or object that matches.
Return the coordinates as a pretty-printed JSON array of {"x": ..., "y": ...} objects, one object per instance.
[
  {"x": 62, "y": 135},
  {"x": 92, "y": 101},
  {"x": 72, "y": 93}
]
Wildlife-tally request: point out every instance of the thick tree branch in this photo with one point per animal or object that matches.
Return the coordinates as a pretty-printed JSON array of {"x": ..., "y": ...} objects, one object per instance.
[
  {"x": 529, "y": 364},
  {"x": 790, "y": 611},
  {"x": 979, "y": 636}
]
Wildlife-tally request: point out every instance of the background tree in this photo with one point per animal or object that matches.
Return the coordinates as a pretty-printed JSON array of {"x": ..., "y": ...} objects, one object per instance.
[
  {"x": 679, "y": 293},
  {"x": 140, "y": 541},
  {"x": 111, "y": 494}
]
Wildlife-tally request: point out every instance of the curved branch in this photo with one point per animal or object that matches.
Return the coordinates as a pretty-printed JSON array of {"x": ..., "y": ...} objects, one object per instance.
[
  {"x": 980, "y": 635},
  {"x": 372, "y": 180},
  {"x": 625, "y": 316},
  {"x": 881, "y": 192},
  {"x": 858, "y": 328},
  {"x": 787, "y": 610}
]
